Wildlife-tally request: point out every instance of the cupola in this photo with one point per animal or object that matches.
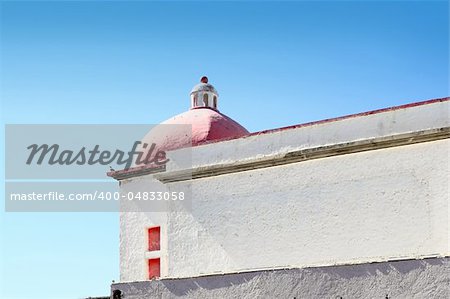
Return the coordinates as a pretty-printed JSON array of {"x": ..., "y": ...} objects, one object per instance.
[{"x": 204, "y": 95}]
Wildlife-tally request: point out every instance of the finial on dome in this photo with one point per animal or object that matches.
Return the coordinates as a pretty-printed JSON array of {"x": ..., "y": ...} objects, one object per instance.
[{"x": 204, "y": 95}]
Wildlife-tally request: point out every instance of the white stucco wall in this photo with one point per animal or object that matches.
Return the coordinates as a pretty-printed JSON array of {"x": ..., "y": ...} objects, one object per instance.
[
  {"x": 377, "y": 205},
  {"x": 427, "y": 278},
  {"x": 371, "y": 206}
]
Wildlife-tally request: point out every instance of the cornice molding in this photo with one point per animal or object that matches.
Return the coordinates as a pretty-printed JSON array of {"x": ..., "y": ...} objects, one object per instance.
[{"x": 305, "y": 155}]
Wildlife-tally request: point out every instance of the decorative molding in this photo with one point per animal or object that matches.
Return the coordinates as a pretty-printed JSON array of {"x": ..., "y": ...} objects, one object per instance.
[
  {"x": 306, "y": 154},
  {"x": 135, "y": 172}
]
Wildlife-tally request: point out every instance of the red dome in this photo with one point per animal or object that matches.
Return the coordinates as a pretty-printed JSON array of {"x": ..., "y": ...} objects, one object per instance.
[{"x": 207, "y": 125}]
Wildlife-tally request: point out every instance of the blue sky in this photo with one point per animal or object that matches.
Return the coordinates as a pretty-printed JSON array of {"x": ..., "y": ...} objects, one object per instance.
[{"x": 274, "y": 64}]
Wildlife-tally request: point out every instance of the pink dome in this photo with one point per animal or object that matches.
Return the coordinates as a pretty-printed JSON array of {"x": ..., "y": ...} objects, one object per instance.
[
  {"x": 203, "y": 123},
  {"x": 207, "y": 125}
]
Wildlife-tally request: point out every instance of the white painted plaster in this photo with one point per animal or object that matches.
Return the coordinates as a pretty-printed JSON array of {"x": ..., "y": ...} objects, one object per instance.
[
  {"x": 370, "y": 206},
  {"x": 426, "y": 278}
]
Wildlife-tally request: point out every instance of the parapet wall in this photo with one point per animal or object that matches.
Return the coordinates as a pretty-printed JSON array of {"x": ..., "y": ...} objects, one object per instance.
[{"x": 403, "y": 279}]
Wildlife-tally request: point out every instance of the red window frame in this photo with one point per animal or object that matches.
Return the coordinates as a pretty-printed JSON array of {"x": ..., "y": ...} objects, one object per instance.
[
  {"x": 154, "y": 238},
  {"x": 154, "y": 266}
]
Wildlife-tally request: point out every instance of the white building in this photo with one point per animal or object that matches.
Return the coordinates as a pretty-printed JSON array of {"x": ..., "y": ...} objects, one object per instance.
[{"x": 351, "y": 207}]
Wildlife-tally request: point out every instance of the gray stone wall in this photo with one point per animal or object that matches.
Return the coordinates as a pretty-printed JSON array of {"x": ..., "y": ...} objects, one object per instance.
[{"x": 427, "y": 278}]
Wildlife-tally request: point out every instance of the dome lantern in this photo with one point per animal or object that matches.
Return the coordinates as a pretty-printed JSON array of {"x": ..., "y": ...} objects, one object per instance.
[{"x": 204, "y": 95}]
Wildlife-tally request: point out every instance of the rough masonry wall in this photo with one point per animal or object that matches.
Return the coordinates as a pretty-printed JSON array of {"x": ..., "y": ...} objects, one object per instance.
[{"x": 410, "y": 279}]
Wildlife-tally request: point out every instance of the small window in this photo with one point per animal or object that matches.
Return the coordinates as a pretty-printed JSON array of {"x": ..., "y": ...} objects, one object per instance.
[
  {"x": 154, "y": 266},
  {"x": 215, "y": 102},
  {"x": 205, "y": 100},
  {"x": 154, "y": 237}
]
